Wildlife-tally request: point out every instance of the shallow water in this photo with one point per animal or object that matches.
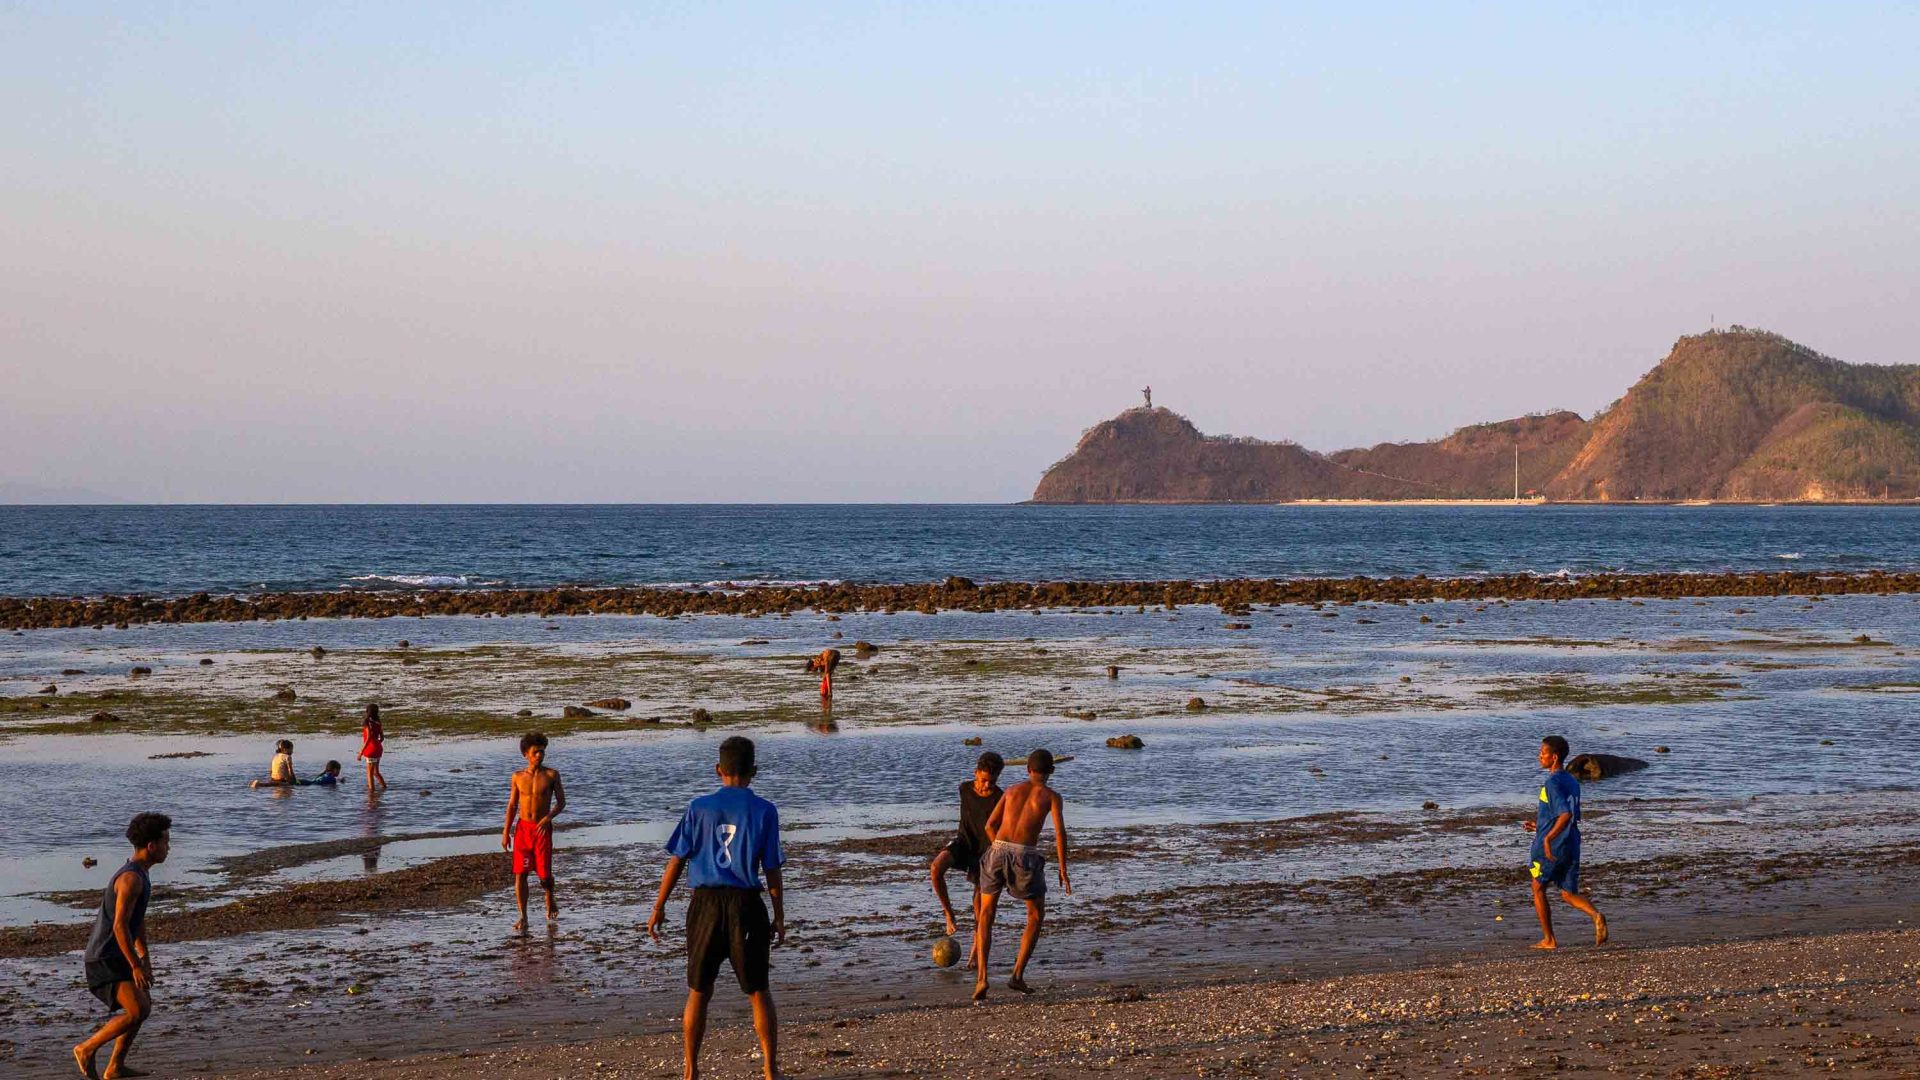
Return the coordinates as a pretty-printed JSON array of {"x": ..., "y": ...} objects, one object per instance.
[{"x": 1379, "y": 745}]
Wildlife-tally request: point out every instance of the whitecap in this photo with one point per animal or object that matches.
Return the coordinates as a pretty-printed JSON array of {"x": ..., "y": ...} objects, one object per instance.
[
  {"x": 1789, "y": 555},
  {"x": 430, "y": 580}
]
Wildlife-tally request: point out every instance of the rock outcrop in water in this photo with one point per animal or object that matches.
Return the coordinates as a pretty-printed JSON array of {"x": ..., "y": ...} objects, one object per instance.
[
  {"x": 1235, "y": 596},
  {"x": 1741, "y": 415}
]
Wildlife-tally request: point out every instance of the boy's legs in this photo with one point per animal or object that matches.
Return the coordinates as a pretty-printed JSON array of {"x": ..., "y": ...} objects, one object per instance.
[
  {"x": 1581, "y": 903},
  {"x": 941, "y": 864},
  {"x": 693, "y": 1026},
  {"x": 1546, "y": 917},
  {"x": 1036, "y": 914},
  {"x": 547, "y": 883},
  {"x": 520, "y": 897},
  {"x": 766, "y": 1024},
  {"x": 119, "y": 1030},
  {"x": 983, "y": 942},
  {"x": 973, "y": 955}
]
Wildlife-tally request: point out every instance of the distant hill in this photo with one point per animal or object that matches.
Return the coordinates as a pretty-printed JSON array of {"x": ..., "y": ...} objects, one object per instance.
[
  {"x": 1735, "y": 415},
  {"x": 1477, "y": 462},
  {"x": 1157, "y": 455},
  {"x": 1751, "y": 415}
]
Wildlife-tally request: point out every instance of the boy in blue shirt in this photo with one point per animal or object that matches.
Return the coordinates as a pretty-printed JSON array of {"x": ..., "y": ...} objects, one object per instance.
[
  {"x": 722, "y": 844},
  {"x": 1556, "y": 844}
]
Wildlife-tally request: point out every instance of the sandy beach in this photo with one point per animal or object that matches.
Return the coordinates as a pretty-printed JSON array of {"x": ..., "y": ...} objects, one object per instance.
[{"x": 1842, "y": 1003}]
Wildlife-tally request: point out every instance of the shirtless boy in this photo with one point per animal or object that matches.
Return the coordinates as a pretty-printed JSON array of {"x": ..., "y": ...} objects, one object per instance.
[
  {"x": 824, "y": 664},
  {"x": 119, "y": 966},
  {"x": 536, "y": 799},
  {"x": 1015, "y": 865},
  {"x": 978, "y": 797},
  {"x": 1556, "y": 844}
]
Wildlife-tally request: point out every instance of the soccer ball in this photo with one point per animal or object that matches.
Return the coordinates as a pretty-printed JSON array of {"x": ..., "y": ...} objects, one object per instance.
[{"x": 945, "y": 952}]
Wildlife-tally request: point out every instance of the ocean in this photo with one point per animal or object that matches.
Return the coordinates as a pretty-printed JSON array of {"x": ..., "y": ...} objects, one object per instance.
[{"x": 179, "y": 550}]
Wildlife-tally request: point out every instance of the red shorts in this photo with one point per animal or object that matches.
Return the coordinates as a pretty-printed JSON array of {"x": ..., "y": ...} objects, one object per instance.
[{"x": 532, "y": 847}]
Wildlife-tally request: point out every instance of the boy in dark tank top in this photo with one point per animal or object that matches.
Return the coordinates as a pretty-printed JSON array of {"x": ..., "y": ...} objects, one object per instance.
[
  {"x": 119, "y": 967},
  {"x": 978, "y": 797}
]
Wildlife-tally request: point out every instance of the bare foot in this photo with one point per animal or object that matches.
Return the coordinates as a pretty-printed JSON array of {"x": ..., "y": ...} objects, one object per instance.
[
  {"x": 114, "y": 1073},
  {"x": 979, "y": 995},
  {"x": 1019, "y": 984},
  {"x": 553, "y": 913},
  {"x": 1546, "y": 943},
  {"x": 520, "y": 925},
  {"x": 85, "y": 1061},
  {"x": 1599, "y": 929}
]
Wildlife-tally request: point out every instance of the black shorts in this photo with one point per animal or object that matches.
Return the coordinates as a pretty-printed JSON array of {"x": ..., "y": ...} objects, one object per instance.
[
  {"x": 965, "y": 859},
  {"x": 731, "y": 925},
  {"x": 104, "y": 977}
]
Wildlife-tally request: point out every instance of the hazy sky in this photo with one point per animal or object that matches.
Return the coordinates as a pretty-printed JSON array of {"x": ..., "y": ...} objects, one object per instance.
[{"x": 730, "y": 252}]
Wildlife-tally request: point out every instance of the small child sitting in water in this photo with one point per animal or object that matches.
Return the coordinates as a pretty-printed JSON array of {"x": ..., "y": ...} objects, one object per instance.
[
  {"x": 280, "y": 772},
  {"x": 328, "y": 776}
]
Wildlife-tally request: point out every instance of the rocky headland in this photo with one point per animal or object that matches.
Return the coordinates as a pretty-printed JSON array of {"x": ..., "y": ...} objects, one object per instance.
[{"x": 1737, "y": 415}]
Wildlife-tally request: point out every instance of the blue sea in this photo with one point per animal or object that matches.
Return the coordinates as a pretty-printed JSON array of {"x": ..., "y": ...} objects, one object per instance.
[{"x": 177, "y": 550}]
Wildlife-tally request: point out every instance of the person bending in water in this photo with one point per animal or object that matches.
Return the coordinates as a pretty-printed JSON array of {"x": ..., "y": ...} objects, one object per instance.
[
  {"x": 280, "y": 771},
  {"x": 119, "y": 966},
  {"x": 723, "y": 842},
  {"x": 824, "y": 664},
  {"x": 373, "y": 744},
  {"x": 1556, "y": 844},
  {"x": 535, "y": 800},
  {"x": 329, "y": 777},
  {"x": 978, "y": 797},
  {"x": 1015, "y": 865}
]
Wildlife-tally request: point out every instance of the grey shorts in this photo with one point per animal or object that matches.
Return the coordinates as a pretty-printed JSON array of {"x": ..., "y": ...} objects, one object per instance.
[{"x": 1016, "y": 869}]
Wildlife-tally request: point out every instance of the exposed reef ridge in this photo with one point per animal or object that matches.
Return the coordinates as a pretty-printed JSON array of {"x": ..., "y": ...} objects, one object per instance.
[{"x": 955, "y": 594}]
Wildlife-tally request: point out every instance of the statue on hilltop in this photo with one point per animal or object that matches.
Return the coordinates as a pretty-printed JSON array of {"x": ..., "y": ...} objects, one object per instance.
[{"x": 1148, "y": 391}]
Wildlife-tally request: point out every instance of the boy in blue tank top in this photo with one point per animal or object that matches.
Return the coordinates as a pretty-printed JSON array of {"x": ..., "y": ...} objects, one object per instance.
[
  {"x": 119, "y": 967},
  {"x": 722, "y": 844},
  {"x": 1555, "y": 860}
]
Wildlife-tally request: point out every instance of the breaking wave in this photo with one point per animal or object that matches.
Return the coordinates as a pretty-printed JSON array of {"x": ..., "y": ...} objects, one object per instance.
[{"x": 426, "y": 580}]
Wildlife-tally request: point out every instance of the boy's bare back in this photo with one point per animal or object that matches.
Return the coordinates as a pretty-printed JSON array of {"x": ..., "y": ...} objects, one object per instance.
[
  {"x": 533, "y": 791},
  {"x": 1023, "y": 812}
]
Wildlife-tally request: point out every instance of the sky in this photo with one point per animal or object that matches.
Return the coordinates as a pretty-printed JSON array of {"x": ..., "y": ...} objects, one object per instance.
[{"x": 728, "y": 252}]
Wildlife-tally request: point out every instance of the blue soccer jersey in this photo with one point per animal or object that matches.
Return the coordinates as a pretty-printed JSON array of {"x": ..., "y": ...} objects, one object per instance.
[
  {"x": 1559, "y": 795},
  {"x": 728, "y": 838}
]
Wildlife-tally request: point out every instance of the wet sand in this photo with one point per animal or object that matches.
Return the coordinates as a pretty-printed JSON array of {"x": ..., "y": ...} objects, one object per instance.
[
  {"x": 1781, "y": 1007},
  {"x": 442, "y": 979}
]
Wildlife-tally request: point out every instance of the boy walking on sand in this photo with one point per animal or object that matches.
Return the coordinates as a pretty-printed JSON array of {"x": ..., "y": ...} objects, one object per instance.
[
  {"x": 1016, "y": 865},
  {"x": 1556, "y": 844},
  {"x": 978, "y": 797},
  {"x": 722, "y": 844},
  {"x": 119, "y": 967},
  {"x": 535, "y": 799}
]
